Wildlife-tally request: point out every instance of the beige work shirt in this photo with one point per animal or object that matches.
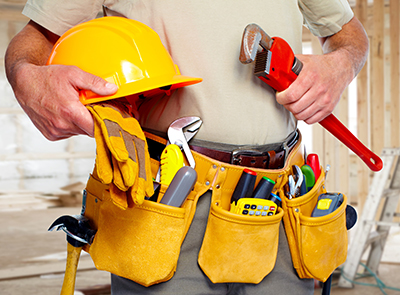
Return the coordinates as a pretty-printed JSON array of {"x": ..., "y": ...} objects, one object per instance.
[{"x": 204, "y": 38}]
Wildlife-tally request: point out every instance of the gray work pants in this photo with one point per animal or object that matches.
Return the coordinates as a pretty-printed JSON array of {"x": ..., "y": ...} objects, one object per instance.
[{"x": 190, "y": 280}]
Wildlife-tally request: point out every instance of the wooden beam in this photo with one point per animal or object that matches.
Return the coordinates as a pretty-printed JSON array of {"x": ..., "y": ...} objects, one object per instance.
[
  {"x": 394, "y": 73},
  {"x": 317, "y": 130},
  {"x": 377, "y": 78},
  {"x": 343, "y": 155},
  {"x": 363, "y": 112}
]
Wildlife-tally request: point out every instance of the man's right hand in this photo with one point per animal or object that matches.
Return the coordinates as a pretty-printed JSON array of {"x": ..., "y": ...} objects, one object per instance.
[
  {"x": 50, "y": 97},
  {"x": 50, "y": 94}
]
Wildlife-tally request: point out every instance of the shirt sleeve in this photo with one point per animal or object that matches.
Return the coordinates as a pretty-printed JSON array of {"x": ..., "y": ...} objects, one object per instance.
[
  {"x": 325, "y": 17},
  {"x": 60, "y": 15}
]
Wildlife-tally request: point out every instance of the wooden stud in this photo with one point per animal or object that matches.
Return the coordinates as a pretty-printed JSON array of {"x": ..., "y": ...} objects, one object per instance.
[
  {"x": 394, "y": 73},
  {"x": 317, "y": 130},
  {"x": 343, "y": 154},
  {"x": 377, "y": 78},
  {"x": 363, "y": 111}
]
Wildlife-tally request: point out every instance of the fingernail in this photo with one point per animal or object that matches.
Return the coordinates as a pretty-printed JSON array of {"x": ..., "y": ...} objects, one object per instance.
[{"x": 112, "y": 86}]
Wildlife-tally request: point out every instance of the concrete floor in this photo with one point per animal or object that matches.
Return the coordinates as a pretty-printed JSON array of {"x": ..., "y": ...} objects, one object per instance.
[{"x": 32, "y": 260}]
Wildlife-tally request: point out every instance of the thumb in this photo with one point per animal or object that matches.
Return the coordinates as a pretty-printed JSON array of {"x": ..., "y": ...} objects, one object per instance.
[{"x": 96, "y": 84}]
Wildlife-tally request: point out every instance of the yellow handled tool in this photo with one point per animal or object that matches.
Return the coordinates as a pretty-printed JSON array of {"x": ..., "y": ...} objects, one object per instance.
[
  {"x": 73, "y": 255},
  {"x": 171, "y": 161},
  {"x": 78, "y": 233}
]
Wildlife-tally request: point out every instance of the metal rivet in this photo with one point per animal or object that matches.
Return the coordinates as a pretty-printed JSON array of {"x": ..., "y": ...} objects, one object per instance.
[
  {"x": 207, "y": 183},
  {"x": 222, "y": 168},
  {"x": 215, "y": 166},
  {"x": 95, "y": 200},
  {"x": 217, "y": 186},
  {"x": 297, "y": 209}
]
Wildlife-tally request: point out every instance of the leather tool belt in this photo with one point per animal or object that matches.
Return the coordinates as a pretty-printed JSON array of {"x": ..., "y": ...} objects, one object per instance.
[
  {"x": 271, "y": 156},
  {"x": 142, "y": 243}
]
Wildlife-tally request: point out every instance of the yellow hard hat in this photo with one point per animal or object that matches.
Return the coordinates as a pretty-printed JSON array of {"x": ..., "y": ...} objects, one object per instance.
[{"x": 122, "y": 51}]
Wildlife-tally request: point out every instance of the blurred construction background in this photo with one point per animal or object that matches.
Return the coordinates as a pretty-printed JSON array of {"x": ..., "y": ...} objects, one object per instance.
[{"x": 42, "y": 180}]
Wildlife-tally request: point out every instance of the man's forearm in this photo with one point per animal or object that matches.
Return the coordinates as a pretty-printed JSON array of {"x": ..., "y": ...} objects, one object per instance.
[
  {"x": 30, "y": 46},
  {"x": 352, "y": 42}
]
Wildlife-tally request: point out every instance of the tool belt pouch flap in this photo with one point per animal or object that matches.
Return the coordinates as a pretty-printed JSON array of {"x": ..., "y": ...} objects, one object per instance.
[
  {"x": 238, "y": 248},
  {"x": 141, "y": 243},
  {"x": 318, "y": 245}
]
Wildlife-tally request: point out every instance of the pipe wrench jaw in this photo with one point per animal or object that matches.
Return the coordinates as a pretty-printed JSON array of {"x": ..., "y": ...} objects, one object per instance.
[{"x": 253, "y": 37}]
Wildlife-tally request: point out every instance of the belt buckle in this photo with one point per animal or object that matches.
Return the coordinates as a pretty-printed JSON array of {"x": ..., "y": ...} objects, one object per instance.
[{"x": 235, "y": 158}]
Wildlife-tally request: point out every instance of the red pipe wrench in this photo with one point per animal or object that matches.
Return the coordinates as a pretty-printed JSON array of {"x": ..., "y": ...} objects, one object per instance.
[{"x": 277, "y": 66}]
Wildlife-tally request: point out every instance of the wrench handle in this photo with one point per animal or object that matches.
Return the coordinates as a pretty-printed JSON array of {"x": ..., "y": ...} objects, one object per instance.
[
  {"x": 290, "y": 70},
  {"x": 337, "y": 129}
]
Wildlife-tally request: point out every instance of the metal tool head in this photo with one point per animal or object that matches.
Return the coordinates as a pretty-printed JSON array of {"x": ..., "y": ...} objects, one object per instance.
[
  {"x": 295, "y": 181},
  {"x": 192, "y": 130},
  {"x": 253, "y": 36},
  {"x": 299, "y": 178},
  {"x": 291, "y": 184},
  {"x": 76, "y": 227},
  {"x": 179, "y": 132}
]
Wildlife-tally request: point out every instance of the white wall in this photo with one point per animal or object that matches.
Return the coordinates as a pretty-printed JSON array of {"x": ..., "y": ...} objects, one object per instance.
[{"x": 28, "y": 161}]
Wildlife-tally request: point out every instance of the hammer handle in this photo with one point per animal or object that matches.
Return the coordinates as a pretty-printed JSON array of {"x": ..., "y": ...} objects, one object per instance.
[{"x": 73, "y": 254}]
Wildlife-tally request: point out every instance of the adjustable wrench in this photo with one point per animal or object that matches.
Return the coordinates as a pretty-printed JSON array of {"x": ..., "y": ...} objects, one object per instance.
[
  {"x": 277, "y": 66},
  {"x": 176, "y": 135},
  {"x": 180, "y": 132}
]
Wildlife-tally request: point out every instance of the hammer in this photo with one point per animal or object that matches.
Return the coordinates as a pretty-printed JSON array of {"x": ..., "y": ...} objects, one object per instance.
[
  {"x": 78, "y": 233},
  {"x": 277, "y": 66}
]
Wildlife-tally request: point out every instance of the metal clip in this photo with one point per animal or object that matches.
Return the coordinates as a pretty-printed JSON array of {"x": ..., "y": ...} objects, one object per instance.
[{"x": 235, "y": 158}]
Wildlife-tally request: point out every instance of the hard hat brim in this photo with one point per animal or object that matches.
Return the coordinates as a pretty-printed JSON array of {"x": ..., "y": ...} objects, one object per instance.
[{"x": 140, "y": 87}]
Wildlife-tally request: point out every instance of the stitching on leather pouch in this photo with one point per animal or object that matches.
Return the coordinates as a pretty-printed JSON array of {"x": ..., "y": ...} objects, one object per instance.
[{"x": 178, "y": 215}]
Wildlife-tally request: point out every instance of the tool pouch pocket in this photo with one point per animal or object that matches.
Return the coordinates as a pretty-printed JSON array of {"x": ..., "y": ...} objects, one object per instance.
[
  {"x": 241, "y": 248},
  {"x": 238, "y": 248},
  {"x": 141, "y": 243},
  {"x": 318, "y": 245}
]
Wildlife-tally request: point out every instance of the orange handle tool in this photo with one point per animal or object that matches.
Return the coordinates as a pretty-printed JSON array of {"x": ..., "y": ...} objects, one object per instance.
[{"x": 337, "y": 129}]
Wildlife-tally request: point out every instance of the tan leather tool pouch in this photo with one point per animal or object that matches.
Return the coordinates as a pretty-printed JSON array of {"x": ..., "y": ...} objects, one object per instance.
[
  {"x": 318, "y": 245},
  {"x": 141, "y": 243},
  {"x": 238, "y": 248}
]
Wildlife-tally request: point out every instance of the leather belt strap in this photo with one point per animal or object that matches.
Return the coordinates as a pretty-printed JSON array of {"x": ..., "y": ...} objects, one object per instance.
[{"x": 272, "y": 159}]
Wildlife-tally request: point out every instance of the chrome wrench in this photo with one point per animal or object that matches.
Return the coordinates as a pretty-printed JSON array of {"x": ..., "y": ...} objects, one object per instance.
[
  {"x": 183, "y": 130},
  {"x": 176, "y": 135}
]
